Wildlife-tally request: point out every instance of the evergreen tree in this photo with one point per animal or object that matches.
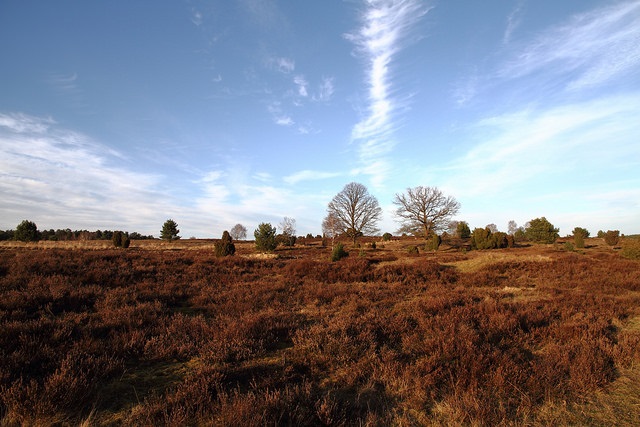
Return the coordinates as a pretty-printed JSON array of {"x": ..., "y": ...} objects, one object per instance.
[
  {"x": 265, "y": 236},
  {"x": 225, "y": 246},
  {"x": 27, "y": 231},
  {"x": 169, "y": 230}
]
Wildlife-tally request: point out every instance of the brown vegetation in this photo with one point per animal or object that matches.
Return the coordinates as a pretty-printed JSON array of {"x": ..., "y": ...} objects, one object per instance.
[{"x": 534, "y": 336}]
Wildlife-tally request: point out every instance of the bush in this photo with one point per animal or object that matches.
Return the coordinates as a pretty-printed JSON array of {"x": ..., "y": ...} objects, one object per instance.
[
  {"x": 611, "y": 237},
  {"x": 511, "y": 241},
  {"x": 26, "y": 231},
  {"x": 338, "y": 252},
  {"x": 481, "y": 238},
  {"x": 540, "y": 230},
  {"x": 581, "y": 231},
  {"x": 265, "y": 236},
  {"x": 568, "y": 246},
  {"x": 117, "y": 239},
  {"x": 413, "y": 250},
  {"x": 578, "y": 240},
  {"x": 631, "y": 248},
  {"x": 462, "y": 230},
  {"x": 225, "y": 246},
  {"x": 386, "y": 237},
  {"x": 434, "y": 243}
]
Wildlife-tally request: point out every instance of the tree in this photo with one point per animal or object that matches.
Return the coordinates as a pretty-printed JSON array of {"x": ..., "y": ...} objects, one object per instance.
[
  {"x": 26, "y": 231},
  {"x": 579, "y": 234},
  {"x": 541, "y": 231},
  {"x": 355, "y": 210},
  {"x": 331, "y": 227},
  {"x": 169, "y": 230},
  {"x": 424, "y": 210},
  {"x": 225, "y": 246},
  {"x": 238, "y": 232},
  {"x": 492, "y": 228},
  {"x": 512, "y": 227},
  {"x": 288, "y": 236},
  {"x": 265, "y": 236},
  {"x": 462, "y": 230}
]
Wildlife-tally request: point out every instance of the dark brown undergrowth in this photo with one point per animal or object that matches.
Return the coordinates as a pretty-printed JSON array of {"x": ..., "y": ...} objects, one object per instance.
[{"x": 184, "y": 338}]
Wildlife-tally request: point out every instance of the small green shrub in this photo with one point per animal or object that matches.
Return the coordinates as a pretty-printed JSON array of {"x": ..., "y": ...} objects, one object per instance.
[
  {"x": 386, "y": 237},
  {"x": 631, "y": 248},
  {"x": 611, "y": 237},
  {"x": 413, "y": 250},
  {"x": 434, "y": 243},
  {"x": 568, "y": 246},
  {"x": 578, "y": 240},
  {"x": 338, "y": 252}
]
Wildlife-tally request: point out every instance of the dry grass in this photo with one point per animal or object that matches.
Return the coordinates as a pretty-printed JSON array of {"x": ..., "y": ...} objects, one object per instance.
[{"x": 167, "y": 334}]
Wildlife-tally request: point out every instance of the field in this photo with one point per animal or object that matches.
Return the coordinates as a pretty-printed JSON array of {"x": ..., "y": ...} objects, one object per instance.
[{"x": 167, "y": 334}]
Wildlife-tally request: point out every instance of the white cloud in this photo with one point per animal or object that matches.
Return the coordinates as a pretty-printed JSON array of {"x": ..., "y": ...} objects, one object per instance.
[
  {"x": 284, "y": 121},
  {"x": 284, "y": 65},
  {"x": 302, "y": 84},
  {"x": 309, "y": 175},
  {"x": 549, "y": 160},
  {"x": 325, "y": 90},
  {"x": 385, "y": 26},
  {"x": 591, "y": 49},
  {"x": 513, "y": 22},
  {"x": 51, "y": 175}
]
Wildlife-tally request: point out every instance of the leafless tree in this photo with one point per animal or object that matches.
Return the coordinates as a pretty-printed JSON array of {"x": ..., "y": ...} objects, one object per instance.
[
  {"x": 492, "y": 228},
  {"x": 288, "y": 226},
  {"x": 355, "y": 210},
  {"x": 423, "y": 210},
  {"x": 238, "y": 232},
  {"x": 331, "y": 227}
]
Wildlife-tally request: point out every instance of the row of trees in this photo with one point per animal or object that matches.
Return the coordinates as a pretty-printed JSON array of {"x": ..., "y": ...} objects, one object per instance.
[
  {"x": 27, "y": 231},
  {"x": 353, "y": 212}
]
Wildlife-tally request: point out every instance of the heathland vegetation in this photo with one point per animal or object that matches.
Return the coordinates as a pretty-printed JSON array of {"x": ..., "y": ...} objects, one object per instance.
[{"x": 428, "y": 328}]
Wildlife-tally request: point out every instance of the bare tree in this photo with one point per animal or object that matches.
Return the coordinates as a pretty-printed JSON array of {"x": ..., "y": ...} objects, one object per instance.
[
  {"x": 423, "y": 210},
  {"x": 238, "y": 232},
  {"x": 355, "y": 210},
  {"x": 331, "y": 227},
  {"x": 288, "y": 236},
  {"x": 492, "y": 228}
]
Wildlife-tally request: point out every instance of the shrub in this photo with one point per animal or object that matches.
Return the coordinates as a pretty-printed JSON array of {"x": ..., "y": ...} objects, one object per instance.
[
  {"x": 117, "y": 239},
  {"x": 481, "y": 238},
  {"x": 386, "y": 237},
  {"x": 581, "y": 231},
  {"x": 338, "y": 252},
  {"x": 225, "y": 246},
  {"x": 540, "y": 230},
  {"x": 413, "y": 250},
  {"x": 265, "y": 236},
  {"x": 462, "y": 230},
  {"x": 26, "y": 231},
  {"x": 578, "y": 240},
  {"x": 568, "y": 246},
  {"x": 434, "y": 243},
  {"x": 611, "y": 237},
  {"x": 126, "y": 241},
  {"x": 631, "y": 248},
  {"x": 511, "y": 241}
]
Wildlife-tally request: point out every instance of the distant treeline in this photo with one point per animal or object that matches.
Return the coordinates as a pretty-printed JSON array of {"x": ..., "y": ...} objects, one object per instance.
[{"x": 67, "y": 234}]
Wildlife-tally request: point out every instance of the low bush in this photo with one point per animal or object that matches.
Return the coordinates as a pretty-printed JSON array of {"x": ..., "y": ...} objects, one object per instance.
[
  {"x": 338, "y": 252},
  {"x": 631, "y": 248}
]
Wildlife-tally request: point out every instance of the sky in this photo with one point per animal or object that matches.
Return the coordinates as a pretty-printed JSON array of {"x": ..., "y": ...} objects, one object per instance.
[{"x": 120, "y": 115}]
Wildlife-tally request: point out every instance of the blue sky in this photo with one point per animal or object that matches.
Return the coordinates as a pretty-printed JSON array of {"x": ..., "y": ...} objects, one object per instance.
[{"x": 119, "y": 115}]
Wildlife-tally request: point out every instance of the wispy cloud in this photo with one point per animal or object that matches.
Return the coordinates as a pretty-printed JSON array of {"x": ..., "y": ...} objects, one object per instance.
[
  {"x": 591, "y": 49},
  {"x": 325, "y": 90},
  {"x": 309, "y": 175},
  {"x": 284, "y": 65},
  {"x": 513, "y": 22},
  {"x": 301, "y": 84},
  {"x": 50, "y": 173},
  {"x": 385, "y": 26},
  {"x": 537, "y": 146}
]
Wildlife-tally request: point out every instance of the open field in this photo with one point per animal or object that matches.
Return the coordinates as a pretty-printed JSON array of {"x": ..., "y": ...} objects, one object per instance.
[{"x": 167, "y": 334}]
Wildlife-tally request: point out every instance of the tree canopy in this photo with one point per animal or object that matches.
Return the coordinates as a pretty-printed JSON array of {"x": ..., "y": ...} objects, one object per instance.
[
  {"x": 169, "y": 230},
  {"x": 355, "y": 211},
  {"x": 423, "y": 210}
]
